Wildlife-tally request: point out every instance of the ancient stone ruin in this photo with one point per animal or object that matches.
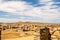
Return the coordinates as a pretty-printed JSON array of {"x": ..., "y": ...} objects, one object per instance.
[{"x": 45, "y": 34}]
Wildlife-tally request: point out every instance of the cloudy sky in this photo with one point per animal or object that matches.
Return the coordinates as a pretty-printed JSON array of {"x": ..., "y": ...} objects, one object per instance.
[{"x": 30, "y": 10}]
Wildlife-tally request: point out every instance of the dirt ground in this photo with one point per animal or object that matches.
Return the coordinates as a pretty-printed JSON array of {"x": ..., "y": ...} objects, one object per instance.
[
  {"x": 21, "y": 38},
  {"x": 13, "y": 35}
]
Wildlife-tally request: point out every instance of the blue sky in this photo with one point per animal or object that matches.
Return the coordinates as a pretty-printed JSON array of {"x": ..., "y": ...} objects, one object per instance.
[{"x": 30, "y": 10}]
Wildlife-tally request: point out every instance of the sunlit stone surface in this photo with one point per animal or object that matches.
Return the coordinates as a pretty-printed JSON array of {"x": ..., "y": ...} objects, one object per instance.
[{"x": 27, "y": 30}]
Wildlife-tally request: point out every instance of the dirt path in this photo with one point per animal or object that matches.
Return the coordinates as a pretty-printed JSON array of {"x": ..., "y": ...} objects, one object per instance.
[{"x": 22, "y": 38}]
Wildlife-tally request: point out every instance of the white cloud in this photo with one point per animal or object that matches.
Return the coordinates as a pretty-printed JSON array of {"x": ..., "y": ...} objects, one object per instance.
[
  {"x": 8, "y": 20},
  {"x": 22, "y": 8},
  {"x": 12, "y": 6},
  {"x": 15, "y": 20},
  {"x": 44, "y": 0}
]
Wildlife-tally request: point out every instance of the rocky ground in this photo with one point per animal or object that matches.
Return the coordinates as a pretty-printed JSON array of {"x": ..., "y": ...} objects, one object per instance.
[
  {"x": 11, "y": 34},
  {"x": 20, "y": 35}
]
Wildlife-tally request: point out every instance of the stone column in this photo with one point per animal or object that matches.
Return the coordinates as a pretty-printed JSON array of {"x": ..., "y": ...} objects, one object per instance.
[{"x": 45, "y": 34}]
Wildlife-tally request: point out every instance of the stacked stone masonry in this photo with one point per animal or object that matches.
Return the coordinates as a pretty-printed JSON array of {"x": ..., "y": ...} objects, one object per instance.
[{"x": 33, "y": 27}]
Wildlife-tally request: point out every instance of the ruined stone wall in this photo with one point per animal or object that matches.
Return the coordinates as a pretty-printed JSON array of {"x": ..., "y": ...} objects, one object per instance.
[{"x": 33, "y": 27}]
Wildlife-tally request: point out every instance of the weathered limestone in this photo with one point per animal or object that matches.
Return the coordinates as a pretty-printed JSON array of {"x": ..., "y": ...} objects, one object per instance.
[
  {"x": 35, "y": 27},
  {"x": 45, "y": 34}
]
